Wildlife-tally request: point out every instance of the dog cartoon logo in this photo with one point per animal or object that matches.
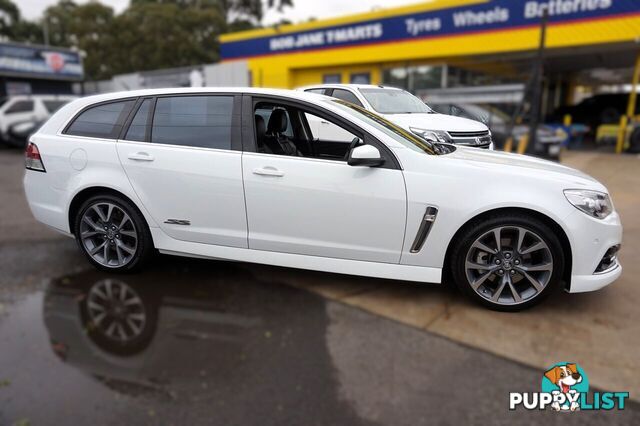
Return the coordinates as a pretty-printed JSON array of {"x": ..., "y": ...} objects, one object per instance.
[{"x": 566, "y": 379}]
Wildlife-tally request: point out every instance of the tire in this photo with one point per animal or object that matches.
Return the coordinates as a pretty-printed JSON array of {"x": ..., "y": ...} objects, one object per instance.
[
  {"x": 127, "y": 239},
  {"x": 634, "y": 142},
  {"x": 511, "y": 271}
]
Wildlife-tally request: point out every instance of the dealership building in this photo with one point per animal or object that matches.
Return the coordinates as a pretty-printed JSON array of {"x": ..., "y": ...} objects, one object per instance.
[
  {"x": 472, "y": 49},
  {"x": 27, "y": 69}
]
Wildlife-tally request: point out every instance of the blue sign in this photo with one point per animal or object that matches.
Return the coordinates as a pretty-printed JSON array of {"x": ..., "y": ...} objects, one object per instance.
[
  {"x": 491, "y": 16},
  {"x": 39, "y": 61}
]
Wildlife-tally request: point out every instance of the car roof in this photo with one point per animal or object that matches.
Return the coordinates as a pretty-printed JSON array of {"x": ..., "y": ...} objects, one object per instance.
[
  {"x": 44, "y": 97},
  {"x": 198, "y": 90},
  {"x": 347, "y": 86}
]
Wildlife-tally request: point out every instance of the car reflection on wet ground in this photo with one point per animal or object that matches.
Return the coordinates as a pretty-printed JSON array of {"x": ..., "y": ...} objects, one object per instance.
[{"x": 206, "y": 342}]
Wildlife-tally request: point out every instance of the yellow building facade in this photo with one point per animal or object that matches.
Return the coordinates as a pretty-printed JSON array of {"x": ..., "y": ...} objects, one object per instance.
[{"x": 369, "y": 47}]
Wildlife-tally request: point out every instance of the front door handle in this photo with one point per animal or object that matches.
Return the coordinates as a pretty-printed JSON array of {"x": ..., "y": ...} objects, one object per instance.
[
  {"x": 268, "y": 171},
  {"x": 140, "y": 156}
]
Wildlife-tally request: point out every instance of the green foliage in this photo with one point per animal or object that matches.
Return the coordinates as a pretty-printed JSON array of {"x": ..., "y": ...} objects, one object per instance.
[{"x": 149, "y": 34}]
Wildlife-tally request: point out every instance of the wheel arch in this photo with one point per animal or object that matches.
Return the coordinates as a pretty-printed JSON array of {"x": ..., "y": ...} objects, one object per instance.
[
  {"x": 86, "y": 193},
  {"x": 547, "y": 220}
]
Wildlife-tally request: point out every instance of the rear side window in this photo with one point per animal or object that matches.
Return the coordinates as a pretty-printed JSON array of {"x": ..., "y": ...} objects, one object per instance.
[
  {"x": 20, "y": 106},
  {"x": 138, "y": 128},
  {"x": 345, "y": 95},
  {"x": 53, "y": 106},
  {"x": 316, "y": 91},
  {"x": 199, "y": 121},
  {"x": 101, "y": 121}
]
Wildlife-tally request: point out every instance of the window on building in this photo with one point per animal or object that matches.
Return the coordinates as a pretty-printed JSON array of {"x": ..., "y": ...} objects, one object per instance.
[
  {"x": 414, "y": 78},
  {"x": 361, "y": 78},
  {"x": 332, "y": 79},
  {"x": 199, "y": 121},
  {"x": 101, "y": 121}
]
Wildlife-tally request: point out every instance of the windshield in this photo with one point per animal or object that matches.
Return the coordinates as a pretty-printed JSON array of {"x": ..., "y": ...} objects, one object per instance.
[
  {"x": 398, "y": 134},
  {"x": 392, "y": 101}
]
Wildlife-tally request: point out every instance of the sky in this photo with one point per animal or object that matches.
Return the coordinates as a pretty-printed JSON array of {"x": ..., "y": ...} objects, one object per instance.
[{"x": 302, "y": 10}]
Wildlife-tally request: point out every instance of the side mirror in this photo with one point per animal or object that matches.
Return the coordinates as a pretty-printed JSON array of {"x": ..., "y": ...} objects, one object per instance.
[{"x": 365, "y": 155}]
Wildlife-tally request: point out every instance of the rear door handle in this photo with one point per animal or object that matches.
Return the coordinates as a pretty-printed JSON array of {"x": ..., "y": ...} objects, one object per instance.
[
  {"x": 140, "y": 156},
  {"x": 268, "y": 171}
]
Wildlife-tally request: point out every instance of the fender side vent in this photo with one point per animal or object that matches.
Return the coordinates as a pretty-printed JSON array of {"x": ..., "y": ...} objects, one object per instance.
[
  {"x": 425, "y": 227},
  {"x": 178, "y": 222}
]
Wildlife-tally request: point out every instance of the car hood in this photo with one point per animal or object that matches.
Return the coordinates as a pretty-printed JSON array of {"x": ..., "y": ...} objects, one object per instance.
[
  {"x": 436, "y": 122},
  {"x": 525, "y": 165}
]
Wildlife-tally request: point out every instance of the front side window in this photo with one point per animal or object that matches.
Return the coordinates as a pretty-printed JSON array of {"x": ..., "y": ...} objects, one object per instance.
[
  {"x": 20, "y": 106},
  {"x": 391, "y": 101},
  {"x": 346, "y": 95},
  {"x": 101, "y": 121},
  {"x": 282, "y": 129},
  {"x": 198, "y": 121}
]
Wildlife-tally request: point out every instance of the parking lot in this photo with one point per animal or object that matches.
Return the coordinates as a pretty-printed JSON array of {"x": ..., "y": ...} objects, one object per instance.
[{"x": 346, "y": 361}]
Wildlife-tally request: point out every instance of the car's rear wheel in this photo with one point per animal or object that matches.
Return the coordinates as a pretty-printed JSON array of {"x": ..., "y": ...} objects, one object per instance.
[
  {"x": 508, "y": 263},
  {"x": 112, "y": 234}
]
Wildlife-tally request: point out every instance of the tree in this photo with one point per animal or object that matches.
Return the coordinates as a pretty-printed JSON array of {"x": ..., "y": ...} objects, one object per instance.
[
  {"x": 9, "y": 16},
  {"x": 151, "y": 36},
  {"x": 14, "y": 28},
  {"x": 57, "y": 21}
]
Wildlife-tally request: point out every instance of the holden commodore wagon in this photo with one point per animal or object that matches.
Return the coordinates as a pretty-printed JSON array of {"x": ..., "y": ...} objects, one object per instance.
[{"x": 239, "y": 174}]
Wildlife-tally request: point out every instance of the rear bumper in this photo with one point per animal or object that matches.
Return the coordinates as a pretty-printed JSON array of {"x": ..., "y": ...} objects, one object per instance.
[{"x": 45, "y": 202}]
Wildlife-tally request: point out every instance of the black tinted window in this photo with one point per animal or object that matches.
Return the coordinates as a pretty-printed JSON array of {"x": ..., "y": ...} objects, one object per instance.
[
  {"x": 101, "y": 121},
  {"x": 316, "y": 91},
  {"x": 20, "y": 106},
  {"x": 53, "y": 106},
  {"x": 137, "y": 129},
  {"x": 202, "y": 121},
  {"x": 345, "y": 95}
]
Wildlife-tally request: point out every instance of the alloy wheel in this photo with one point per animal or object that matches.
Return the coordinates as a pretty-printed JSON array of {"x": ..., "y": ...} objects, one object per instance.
[
  {"x": 509, "y": 265},
  {"x": 108, "y": 234}
]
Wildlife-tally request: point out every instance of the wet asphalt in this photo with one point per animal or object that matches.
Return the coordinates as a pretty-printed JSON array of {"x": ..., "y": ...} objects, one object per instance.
[{"x": 210, "y": 342}]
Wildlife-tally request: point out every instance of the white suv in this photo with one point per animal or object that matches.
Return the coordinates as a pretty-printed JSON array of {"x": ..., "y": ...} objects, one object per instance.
[
  {"x": 28, "y": 108},
  {"x": 408, "y": 112},
  {"x": 240, "y": 174}
]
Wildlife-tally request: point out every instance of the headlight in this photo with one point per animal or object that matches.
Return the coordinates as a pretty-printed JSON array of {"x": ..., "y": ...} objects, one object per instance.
[
  {"x": 432, "y": 135},
  {"x": 594, "y": 203}
]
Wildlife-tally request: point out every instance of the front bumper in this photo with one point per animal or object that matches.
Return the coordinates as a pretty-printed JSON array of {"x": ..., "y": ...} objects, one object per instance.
[{"x": 590, "y": 240}]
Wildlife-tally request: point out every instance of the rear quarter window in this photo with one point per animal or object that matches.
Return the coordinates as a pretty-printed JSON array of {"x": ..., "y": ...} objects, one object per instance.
[{"x": 101, "y": 121}]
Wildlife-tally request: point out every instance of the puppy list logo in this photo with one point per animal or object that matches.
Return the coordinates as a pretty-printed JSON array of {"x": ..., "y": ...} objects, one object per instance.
[{"x": 565, "y": 387}]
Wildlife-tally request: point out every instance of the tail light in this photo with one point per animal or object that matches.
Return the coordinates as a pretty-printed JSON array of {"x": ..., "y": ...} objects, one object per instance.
[{"x": 32, "y": 159}]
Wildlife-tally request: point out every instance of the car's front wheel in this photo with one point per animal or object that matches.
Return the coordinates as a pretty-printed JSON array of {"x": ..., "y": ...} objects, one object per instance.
[
  {"x": 112, "y": 234},
  {"x": 507, "y": 263}
]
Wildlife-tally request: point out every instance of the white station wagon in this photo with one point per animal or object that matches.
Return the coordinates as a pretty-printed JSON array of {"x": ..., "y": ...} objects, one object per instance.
[{"x": 239, "y": 174}]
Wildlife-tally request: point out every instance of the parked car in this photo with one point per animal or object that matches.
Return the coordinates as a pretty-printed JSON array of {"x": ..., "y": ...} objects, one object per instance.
[
  {"x": 19, "y": 133},
  {"x": 596, "y": 110},
  {"x": 549, "y": 140},
  {"x": 239, "y": 174},
  {"x": 407, "y": 111},
  {"x": 34, "y": 108}
]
